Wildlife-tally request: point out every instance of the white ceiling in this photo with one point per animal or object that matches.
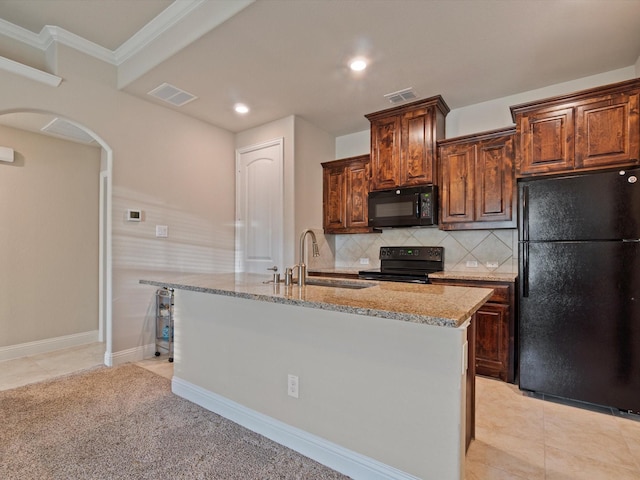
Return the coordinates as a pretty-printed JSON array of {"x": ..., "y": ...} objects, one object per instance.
[{"x": 284, "y": 57}]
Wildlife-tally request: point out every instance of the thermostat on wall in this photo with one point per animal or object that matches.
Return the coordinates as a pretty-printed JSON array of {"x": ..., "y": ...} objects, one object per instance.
[{"x": 134, "y": 215}]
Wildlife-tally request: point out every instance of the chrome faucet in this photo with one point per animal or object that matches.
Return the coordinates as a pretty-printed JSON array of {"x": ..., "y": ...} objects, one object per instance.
[{"x": 302, "y": 268}]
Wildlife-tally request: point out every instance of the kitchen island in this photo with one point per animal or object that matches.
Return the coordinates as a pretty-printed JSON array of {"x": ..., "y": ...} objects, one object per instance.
[{"x": 380, "y": 372}]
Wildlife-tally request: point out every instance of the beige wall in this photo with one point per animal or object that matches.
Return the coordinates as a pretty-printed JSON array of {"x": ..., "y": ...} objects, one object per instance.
[
  {"x": 49, "y": 238},
  {"x": 178, "y": 170}
]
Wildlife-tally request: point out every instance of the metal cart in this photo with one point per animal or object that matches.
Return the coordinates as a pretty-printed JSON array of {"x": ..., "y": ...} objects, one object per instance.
[{"x": 164, "y": 322}]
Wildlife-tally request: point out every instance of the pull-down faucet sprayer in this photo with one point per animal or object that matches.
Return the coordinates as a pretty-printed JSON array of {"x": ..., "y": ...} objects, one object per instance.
[{"x": 302, "y": 268}]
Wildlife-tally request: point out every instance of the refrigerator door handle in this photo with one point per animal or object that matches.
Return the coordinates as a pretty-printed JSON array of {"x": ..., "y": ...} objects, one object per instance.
[
  {"x": 525, "y": 269},
  {"x": 525, "y": 213}
]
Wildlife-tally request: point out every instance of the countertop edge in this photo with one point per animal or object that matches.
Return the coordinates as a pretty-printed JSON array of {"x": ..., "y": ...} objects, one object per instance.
[{"x": 372, "y": 312}]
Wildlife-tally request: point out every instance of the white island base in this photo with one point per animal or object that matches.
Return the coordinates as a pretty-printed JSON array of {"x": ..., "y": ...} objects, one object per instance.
[{"x": 378, "y": 398}]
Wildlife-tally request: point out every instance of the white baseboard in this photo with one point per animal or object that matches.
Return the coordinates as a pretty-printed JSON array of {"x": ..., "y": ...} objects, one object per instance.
[
  {"x": 332, "y": 455},
  {"x": 47, "y": 345},
  {"x": 134, "y": 354}
]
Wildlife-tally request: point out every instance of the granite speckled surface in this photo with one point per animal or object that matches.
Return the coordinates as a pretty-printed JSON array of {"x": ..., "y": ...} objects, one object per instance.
[
  {"x": 446, "y": 274},
  {"x": 486, "y": 276},
  {"x": 440, "y": 305}
]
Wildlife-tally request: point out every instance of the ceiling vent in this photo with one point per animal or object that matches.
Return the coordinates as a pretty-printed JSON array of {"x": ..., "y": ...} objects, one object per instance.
[
  {"x": 61, "y": 128},
  {"x": 173, "y": 95},
  {"x": 401, "y": 95}
]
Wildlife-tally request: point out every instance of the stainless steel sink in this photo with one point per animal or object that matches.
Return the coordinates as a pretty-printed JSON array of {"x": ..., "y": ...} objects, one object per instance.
[{"x": 338, "y": 283}]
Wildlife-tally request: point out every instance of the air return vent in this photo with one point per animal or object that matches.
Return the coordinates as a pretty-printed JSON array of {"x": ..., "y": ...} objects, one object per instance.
[
  {"x": 401, "y": 95},
  {"x": 61, "y": 128},
  {"x": 173, "y": 95}
]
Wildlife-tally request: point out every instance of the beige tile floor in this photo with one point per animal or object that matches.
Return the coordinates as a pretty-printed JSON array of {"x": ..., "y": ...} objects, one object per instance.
[
  {"x": 35, "y": 368},
  {"x": 517, "y": 437},
  {"x": 520, "y": 437}
]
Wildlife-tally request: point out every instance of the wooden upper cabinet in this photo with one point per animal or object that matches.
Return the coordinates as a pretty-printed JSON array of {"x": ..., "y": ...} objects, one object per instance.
[
  {"x": 456, "y": 185},
  {"x": 345, "y": 188},
  {"x": 417, "y": 153},
  {"x": 334, "y": 197},
  {"x": 403, "y": 143},
  {"x": 357, "y": 187},
  {"x": 587, "y": 130},
  {"x": 385, "y": 152},
  {"x": 477, "y": 184},
  {"x": 546, "y": 141},
  {"x": 607, "y": 131}
]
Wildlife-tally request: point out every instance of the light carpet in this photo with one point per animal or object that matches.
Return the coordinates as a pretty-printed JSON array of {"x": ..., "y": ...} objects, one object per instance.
[{"x": 125, "y": 423}]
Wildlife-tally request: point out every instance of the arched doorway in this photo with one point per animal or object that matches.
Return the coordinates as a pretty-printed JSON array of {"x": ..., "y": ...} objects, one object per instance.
[{"x": 34, "y": 120}]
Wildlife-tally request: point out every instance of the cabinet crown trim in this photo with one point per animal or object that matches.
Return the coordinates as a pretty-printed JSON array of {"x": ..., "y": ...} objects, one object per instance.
[
  {"x": 478, "y": 136},
  {"x": 436, "y": 101},
  {"x": 345, "y": 161}
]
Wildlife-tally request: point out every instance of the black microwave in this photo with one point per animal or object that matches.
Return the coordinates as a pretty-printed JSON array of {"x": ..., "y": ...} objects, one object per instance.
[{"x": 404, "y": 207}]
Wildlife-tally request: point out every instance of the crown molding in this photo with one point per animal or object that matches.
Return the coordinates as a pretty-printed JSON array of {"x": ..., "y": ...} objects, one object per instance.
[
  {"x": 174, "y": 28},
  {"x": 50, "y": 34},
  {"x": 153, "y": 30},
  {"x": 166, "y": 19},
  {"x": 20, "y": 34},
  {"x": 29, "y": 72}
]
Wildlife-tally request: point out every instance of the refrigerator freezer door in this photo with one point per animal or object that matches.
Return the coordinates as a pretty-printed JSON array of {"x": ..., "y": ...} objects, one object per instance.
[
  {"x": 595, "y": 206},
  {"x": 580, "y": 323}
]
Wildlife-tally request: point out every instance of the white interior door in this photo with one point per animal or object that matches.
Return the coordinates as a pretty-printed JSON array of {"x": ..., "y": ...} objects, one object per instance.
[{"x": 259, "y": 207}]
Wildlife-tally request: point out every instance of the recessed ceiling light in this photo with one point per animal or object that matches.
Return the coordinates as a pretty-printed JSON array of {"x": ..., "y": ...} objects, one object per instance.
[
  {"x": 358, "y": 65},
  {"x": 241, "y": 108}
]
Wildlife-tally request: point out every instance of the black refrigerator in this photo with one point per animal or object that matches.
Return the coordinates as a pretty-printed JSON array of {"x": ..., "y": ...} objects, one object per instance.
[{"x": 579, "y": 287}]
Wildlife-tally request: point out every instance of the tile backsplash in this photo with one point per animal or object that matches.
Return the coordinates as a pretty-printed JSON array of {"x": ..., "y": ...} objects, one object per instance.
[{"x": 461, "y": 248}]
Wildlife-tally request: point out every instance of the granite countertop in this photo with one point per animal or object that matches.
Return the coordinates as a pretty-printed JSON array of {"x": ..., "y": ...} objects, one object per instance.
[
  {"x": 446, "y": 274},
  {"x": 486, "y": 276},
  {"x": 441, "y": 305}
]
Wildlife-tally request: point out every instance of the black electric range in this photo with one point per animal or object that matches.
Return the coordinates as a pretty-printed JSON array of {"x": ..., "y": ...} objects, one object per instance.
[{"x": 406, "y": 264}]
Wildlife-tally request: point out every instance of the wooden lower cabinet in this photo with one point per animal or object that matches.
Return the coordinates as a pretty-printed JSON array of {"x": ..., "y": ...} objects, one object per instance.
[
  {"x": 492, "y": 340},
  {"x": 494, "y": 329}
]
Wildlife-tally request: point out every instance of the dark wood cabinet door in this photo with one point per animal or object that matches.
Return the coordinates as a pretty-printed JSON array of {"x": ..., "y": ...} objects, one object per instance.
[
  {"x": 403, "y": 143},
  {"x": 495, "y": 181},
  {"x": 345, "y": 190},
  {"x": 357, "y": 183},
  {"x": 492, "y": 340},
  {"x": 456, "y": 186},
  {"x": 546, "y": 141},
  {"x": 334, "y": 201},
  {"x": 417, "y": 147},
  {"x": 477, "y": 182},
  {"x": 385, "y": 153},
  {"x": 607, "y": 131},
  {"x": 582, "y": 131}
]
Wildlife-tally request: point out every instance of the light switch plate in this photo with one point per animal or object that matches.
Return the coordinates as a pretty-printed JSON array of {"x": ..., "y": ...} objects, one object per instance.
[{"x": 162, "y": 231}]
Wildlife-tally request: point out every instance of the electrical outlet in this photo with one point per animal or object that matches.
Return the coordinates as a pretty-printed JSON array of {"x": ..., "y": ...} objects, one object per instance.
[
  {"x": 364, "y": 261},
  {"x": 292, "y": 386},
  {"x": 492, "y": 264},
  {"x": 472, "y": 263},
  {"x": 162, "y": 231}
]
